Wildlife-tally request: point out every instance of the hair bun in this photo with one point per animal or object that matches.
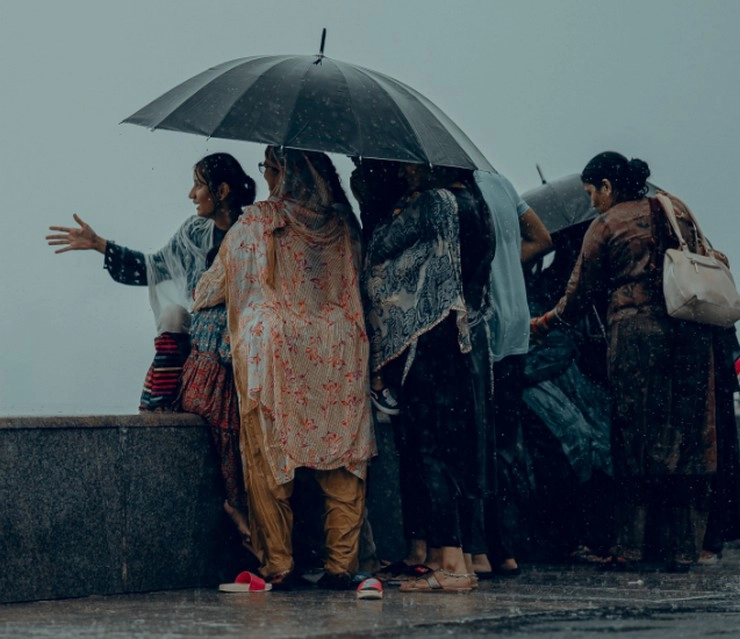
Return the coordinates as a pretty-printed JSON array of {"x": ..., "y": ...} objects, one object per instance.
[
  {"x": 640, "y": 170},
  {"x": 628, "y": 177}
]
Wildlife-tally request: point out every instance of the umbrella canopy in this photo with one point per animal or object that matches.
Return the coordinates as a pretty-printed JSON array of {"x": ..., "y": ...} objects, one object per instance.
[
  {"x": 563, "y": 203},
  {"x": 313, "y": 103}
]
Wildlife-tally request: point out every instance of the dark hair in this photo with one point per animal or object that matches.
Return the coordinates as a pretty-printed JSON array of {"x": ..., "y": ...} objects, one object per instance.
[
  {"x": 219, "y": 168},
  {"x": 628, "y": 177},
  {"x": 376, "y": 186},
  {"x": 444, "y": 175}
]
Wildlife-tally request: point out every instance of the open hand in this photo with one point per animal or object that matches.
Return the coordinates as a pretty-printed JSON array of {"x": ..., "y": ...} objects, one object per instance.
[{"x": 76, "y": 239}]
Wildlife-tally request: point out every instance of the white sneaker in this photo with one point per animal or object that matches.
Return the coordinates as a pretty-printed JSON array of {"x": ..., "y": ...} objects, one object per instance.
[{"x": 385, "y": 401}]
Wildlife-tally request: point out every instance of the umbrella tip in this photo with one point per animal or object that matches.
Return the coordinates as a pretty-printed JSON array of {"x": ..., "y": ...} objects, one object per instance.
[
  {"x": 320, "y": 57},
  {"x": 542, "y": 177}
]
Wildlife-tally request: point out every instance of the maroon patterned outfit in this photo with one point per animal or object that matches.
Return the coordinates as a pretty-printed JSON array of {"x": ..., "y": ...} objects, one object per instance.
[
  {"x": 208, "y": 390},
  {"x": 660, "y": 376}
]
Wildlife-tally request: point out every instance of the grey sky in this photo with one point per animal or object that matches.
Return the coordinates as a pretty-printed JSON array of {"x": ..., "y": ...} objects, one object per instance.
[{"x": 530, "y": 81}]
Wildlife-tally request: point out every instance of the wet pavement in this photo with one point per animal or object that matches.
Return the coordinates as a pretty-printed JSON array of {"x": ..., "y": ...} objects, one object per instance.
[{"x": 545, "y": 601}]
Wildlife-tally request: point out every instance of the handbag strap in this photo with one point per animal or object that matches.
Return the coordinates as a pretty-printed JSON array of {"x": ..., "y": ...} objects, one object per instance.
[{"x": 667, "y": 205}]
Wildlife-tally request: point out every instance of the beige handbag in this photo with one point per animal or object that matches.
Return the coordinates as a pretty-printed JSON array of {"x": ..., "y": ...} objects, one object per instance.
[{"x": 698, "y": 288}]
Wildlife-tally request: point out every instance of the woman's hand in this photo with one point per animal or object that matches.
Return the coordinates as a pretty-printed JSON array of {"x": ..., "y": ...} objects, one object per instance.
[
  {"x": 73, "y": 239},
  {"x": 540, "y": 326}
]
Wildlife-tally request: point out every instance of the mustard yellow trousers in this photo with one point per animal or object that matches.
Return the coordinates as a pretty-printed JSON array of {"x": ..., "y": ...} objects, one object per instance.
[{"x": 271, "y": 517}]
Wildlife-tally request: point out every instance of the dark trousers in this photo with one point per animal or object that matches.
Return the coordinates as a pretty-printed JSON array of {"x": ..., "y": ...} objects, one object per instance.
[
  {"x": 442, "y": 438},
  {"x": 500, "y": 510}
]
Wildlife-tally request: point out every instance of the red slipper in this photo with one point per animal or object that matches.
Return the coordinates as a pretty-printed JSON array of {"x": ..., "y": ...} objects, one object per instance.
[
  {"x": 246, "y": 582},
  {"x": 370, "y": 588}
]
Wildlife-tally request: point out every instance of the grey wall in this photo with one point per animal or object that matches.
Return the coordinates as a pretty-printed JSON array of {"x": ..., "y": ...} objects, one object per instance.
[
  {"x": 103, "y": 505},
  {"x": 120, "y": 504}
]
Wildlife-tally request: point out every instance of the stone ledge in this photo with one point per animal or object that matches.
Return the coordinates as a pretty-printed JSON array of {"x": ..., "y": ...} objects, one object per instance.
[
  {"x": 108, "y": 505},
  {"x": 142, "y": 420}
]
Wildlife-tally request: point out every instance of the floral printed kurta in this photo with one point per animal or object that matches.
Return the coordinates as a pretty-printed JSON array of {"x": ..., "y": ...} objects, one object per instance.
[{"x": 289, "y": 277}]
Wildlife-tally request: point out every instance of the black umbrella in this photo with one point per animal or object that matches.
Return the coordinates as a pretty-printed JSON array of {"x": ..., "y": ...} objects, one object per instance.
[
  {"x": 563, "y": 203},
  {"x": 313, "y": 103}
]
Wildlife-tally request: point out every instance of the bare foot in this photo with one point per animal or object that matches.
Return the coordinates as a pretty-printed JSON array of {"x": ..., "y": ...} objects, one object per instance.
[{"x": 481, "y": 563}]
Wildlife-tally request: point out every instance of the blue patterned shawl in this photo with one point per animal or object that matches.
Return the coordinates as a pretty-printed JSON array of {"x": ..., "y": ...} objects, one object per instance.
[{"x": 413, "y": 277}]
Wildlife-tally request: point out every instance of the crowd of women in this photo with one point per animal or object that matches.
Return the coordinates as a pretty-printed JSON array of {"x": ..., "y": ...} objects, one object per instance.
[{"x": 286, "y": 322}]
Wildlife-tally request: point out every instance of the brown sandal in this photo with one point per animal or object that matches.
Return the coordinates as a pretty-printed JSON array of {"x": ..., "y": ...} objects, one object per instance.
[
  {"x": 584, "y": 555},
  {"x": 440, "y": 581}
]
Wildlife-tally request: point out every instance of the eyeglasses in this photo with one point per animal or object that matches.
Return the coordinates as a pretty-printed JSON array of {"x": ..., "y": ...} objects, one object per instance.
[{"x": 263, "y": 166}]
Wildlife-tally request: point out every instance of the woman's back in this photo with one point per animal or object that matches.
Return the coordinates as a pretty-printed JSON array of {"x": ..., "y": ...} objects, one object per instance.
[
  {"x": 622, "y": 257},
  {"x": 297, "y": 333}
]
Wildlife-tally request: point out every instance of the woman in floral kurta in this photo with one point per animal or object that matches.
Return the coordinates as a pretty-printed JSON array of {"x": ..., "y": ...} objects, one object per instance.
[
  {"x": 288, "y": 271},
  {"x": 660, "y": 368}
]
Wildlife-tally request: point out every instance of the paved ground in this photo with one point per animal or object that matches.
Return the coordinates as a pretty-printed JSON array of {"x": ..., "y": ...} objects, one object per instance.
[{"x": 545, "y": 601}]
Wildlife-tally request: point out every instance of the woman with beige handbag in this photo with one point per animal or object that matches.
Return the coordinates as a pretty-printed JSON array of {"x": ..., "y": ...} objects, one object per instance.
[{"x": 659, "y": 367}]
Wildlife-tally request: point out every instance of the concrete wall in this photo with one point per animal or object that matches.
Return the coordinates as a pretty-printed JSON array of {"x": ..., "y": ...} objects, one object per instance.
[
  {"x": 104, "y": 505},
  {"x": 120, "y": 504}
]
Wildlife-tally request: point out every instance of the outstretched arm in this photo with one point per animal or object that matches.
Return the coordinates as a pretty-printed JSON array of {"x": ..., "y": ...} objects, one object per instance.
[
  {"x": 123, "y": 265},
  {"x": 76, "y": 239}
]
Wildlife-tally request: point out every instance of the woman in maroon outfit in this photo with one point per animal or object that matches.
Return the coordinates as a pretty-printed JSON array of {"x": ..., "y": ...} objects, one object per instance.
[{"x": 660, "y": 368}]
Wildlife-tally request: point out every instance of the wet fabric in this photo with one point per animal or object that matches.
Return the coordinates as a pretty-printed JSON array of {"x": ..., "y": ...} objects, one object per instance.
[
  {"x": 413, "y": 277},
  {"x": 509, "y": 327},
  {"x": 446, "y": 404},
  {"x": 661, "y": 518},
  {"x": 208, "y": 390},
  {"x": 509, "y": 322},
  {"x": 572, "y": 407},
  {"x": 663, "y": 419},
  {"x": 171, "y": 273},
  {"x": 440, "y": 244},
  {"x": 412, "y": 489},
  {"x": 663, "y": 414},
  {"x": 162, "y": 381},
  {"x": 564, "y": 488},
  {"x": 511, "y": 473},
  {"x": 271, "y": 515},
  {"x": 124, "y": 265},
  {"x": 289, "y": 277},
  {"x": 724, "y": 509},
  {"x": 661, "y": 379}
]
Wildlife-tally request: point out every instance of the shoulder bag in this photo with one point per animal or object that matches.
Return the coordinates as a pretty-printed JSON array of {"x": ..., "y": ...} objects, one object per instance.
[{"x": 698, "y": 288}]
